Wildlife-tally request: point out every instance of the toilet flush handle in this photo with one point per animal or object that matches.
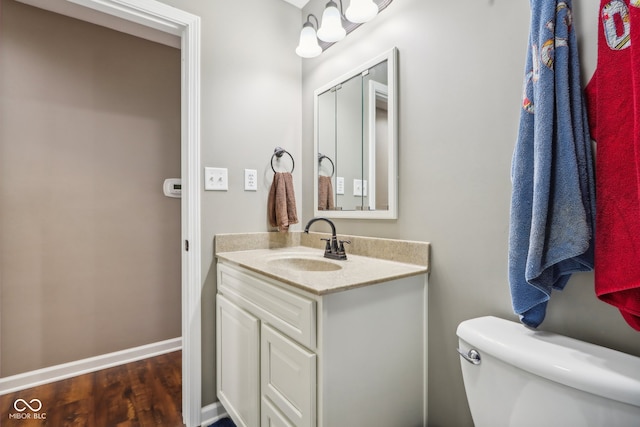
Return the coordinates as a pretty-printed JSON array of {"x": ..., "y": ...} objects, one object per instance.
[{"x": 472, "y": 356}]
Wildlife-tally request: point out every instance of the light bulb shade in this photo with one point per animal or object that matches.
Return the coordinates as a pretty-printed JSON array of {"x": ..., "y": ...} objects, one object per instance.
[
  {"x": 308, "y": 46},
  {"x": 360, "y": 11},
  {"x": 331, "y": 29}
]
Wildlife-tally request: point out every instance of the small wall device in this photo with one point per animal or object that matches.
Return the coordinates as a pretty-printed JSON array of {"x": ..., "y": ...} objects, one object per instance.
[{"x": 172, "y": 187}]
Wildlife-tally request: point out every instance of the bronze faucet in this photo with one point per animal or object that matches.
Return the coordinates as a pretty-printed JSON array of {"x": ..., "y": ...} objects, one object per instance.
[{"x": 332, "y": 250}]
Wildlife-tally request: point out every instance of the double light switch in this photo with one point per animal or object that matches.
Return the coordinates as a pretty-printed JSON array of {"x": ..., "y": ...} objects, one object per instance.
[{"x": 216, "y": 179}]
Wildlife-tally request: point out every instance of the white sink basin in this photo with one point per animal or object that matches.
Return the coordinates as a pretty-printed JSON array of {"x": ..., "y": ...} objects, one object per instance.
[{"x": 303, "y": 263}]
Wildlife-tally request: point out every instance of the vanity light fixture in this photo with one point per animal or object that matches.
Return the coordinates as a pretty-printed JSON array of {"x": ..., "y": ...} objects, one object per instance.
[
  {"x": 308, "y": 46},
  {"x": 336, "y": 24},
  {"x": 360, "y": 11},
  {"x": 331, "y": 29}
]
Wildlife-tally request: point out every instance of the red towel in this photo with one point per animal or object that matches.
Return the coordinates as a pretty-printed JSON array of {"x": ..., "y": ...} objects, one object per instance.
[{"x": 613, "y": 96}]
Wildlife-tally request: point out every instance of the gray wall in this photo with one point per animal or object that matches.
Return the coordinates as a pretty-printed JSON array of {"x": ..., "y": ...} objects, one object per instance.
[
  {"x": 461, "y": 69},
  {"x": 250, "y": 104},
  {"x": 89, "y": 246}
]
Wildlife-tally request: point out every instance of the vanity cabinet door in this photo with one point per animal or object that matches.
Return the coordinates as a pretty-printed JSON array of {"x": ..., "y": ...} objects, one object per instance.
[
  {"x": 271, "y": 417},
  {"x": 288, "y": 378},
  {"x": 238, "y": 362}
]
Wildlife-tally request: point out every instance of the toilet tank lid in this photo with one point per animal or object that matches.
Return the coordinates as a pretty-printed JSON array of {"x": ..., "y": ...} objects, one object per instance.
[{"x": 581, "y": 365}]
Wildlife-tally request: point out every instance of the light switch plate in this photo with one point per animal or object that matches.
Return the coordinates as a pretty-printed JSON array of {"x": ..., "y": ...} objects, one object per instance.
[
  {"x": 216, "y": 179},
  {"x": 357, "y": 187},
  {"x": 360, "y": 187}
]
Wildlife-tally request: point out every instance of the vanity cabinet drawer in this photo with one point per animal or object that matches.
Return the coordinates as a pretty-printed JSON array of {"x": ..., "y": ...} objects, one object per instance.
[
  {"x": 292, "y": 314},
  {"x": 288, "y": 378}
]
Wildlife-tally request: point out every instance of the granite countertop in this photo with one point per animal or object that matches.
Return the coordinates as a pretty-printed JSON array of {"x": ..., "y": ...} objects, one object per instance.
[{"x": 369, "y": 261}]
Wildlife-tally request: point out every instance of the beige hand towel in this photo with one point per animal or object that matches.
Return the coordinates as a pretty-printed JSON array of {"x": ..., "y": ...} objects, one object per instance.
[
  {"x": 325, "y": 193},
  {"x": 281, "y": 204}
]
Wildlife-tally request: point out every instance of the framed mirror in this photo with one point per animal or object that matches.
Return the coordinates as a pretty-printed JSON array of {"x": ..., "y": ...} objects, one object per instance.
[{"x": 356, "y": 142}]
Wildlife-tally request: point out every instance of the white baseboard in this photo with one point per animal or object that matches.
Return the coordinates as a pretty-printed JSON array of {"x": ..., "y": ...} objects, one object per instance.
[
  {"x": 212, "y": 413},
  {"x": 85, "y": 366}
]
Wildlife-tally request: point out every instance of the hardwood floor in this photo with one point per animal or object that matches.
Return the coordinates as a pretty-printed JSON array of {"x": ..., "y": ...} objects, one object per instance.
[{"x": 139, "y": 394}]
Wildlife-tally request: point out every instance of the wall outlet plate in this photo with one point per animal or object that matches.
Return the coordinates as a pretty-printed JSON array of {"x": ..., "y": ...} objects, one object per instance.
[
  {"x": 339, "y": 185},
  {"x": 250, "y": 180},
  {"x": 216, "y": 179}
]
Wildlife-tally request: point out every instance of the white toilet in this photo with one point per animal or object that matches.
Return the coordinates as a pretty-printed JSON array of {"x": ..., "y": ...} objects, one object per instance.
[{"x": 518, "y": 377}]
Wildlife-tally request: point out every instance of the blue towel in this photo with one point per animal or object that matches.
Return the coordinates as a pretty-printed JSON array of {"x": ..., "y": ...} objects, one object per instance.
[{"x": 553, "y": 197}]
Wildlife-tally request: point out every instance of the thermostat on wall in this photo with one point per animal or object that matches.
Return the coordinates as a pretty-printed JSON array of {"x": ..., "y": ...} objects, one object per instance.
[{"x": 172, "y": 187}]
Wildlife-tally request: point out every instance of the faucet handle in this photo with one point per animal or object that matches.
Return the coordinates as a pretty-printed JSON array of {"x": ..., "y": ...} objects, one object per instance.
[
  {"x": 327, "y": 247},
  {"x": 342, "y": 242}
]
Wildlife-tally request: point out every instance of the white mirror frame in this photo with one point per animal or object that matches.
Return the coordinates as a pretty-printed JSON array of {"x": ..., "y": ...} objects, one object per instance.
[
  {"x": 377, "y": 91},
  {"x": 392, "y": 159}
]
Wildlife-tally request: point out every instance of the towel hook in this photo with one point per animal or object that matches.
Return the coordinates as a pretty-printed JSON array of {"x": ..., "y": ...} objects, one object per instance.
[
  {"x": 278, "y": 152},
  {"x": 322, "y": 157}
]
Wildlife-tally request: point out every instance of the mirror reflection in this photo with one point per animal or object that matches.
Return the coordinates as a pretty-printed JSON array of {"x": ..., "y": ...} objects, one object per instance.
[{"x": 356, "y": 143}]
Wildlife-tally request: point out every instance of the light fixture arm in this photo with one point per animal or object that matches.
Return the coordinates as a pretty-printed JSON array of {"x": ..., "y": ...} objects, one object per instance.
[
  {"x": 309, "y": 16},
  {"x": 341, "y": 9}
]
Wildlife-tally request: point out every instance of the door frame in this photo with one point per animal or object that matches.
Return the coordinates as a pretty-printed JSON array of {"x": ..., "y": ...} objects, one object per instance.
[{"x": 167, "y": 19}]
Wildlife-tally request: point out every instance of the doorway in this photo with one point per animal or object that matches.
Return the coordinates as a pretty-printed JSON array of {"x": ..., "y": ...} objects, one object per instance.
[{"x": 172, "y": 21}]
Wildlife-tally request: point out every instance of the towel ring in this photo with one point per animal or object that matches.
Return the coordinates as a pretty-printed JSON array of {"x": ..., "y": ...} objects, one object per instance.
[
  {"x": 322, "y": 157},
  {"x": 278, "y": 152}
]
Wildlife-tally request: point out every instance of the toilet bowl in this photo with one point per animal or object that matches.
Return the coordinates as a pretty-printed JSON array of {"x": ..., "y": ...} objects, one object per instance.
[{"x": 517, "y": 377}]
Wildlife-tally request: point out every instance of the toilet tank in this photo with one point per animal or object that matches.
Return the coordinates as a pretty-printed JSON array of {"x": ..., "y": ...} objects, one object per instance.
[{"x": 534, "y": 378}]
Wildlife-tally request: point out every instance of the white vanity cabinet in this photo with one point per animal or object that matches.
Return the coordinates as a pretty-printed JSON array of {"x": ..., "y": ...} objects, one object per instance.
[{"x": 287, "y": 357}]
